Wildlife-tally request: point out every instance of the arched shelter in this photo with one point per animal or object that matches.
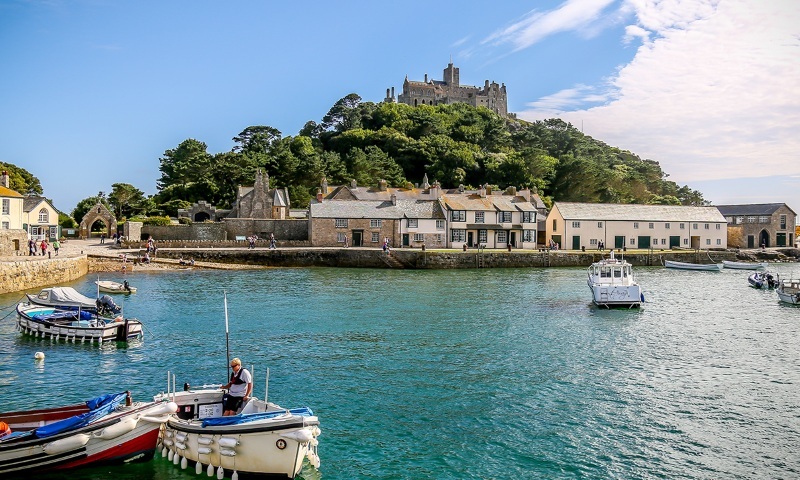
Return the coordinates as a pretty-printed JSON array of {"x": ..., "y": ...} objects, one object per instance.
[{"x": 98, "y": 212}]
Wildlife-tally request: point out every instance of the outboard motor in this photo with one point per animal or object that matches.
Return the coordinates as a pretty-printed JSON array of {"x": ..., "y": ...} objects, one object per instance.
[{"x": 106, "y": 304}]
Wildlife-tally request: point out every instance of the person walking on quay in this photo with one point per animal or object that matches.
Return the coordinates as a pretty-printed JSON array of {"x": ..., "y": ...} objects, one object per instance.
[
  {"x": 102, "y": 238},
  {"x": 239, "y": 389},
  {"x": 43, "y": 246},
  {"x": 56, "y": 246},
  {"x": 31, "y": 247},
  {"x": 272, "y": 241}
]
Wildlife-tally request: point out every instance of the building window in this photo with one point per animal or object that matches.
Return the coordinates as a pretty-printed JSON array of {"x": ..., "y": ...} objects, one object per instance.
[
  {"x": 439, "y": 224},
  {"x": 6, "y": 226},
  {"x": 783, "y": 222},
  {"x": 707, "y": 227},
  {"x": 739, "y": 220},
  {"x": 44, "y": 216},
  {"x": 375, "y": 223},
  {"x": 458, "y": 235},
  {"x": 663, "y": 241},
  {"x": 719, "y": 227},
  {"x": 666, "y": 226},
  {"x": 376, "y": 237},
  {"x": 528, "y": 236},
  {"x": 555, "y": 225},
  {"x": 593, "y": 241},
  {"x": 413, "y": 223},
  {"x": 479, "y": 217},
  {"x": 694, "y": 225},
  {"x": 651, "y": 226},
  {"x": 504, "y": 217},
  {"x": 751, "y": 219},
  {"x": 635, "y": 224},
  {"x": 482, "y": 236},
  {"x": 576, "y": 224},
  {"x": 419, "y": 237},
  {"x": 341, "y": 223},
  {"x": 438, "y": 237},
  {"x": 599, "y": 224},
  {"x": 341, "y": 237},
  {"x": 501, "y": 236},
  {"x": 708, "y": 241},
  {"x": 686, "y": 241},
  {"x": 458, "y": 216},
  {"x": 682, "y": 226},
  {"x": 763, "y": 219},
  {"x": 633, "y": 241},
  {"x": 528, "y": 217},
  {"x": 719, "y": 241},
  {"x": 6, "y": 206}
]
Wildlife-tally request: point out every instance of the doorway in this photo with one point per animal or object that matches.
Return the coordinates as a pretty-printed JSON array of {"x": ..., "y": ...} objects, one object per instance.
[{"x": 358, "y": 238}]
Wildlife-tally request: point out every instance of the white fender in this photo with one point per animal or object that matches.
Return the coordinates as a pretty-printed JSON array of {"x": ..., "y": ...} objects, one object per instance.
[
  {"x": 176, "y": 459},
  {"x": 204, "y": 450},
  {"x": 198, "y": 468},
  {"x": 67, "y": 444},
  {"x": 118, "y": 429},
  {"x": 227, "y": 453},
  {"x": 180, "y": 436},
  {"x": 180, "y": 445},
  {"x": 152, "y": 419},
  {"x": 184, "y": 463},
  {"x": 168, "y": 433},
  {"x": 165, "y": 408},
  {"x": 210, "y": 470},
  {"x": 228, "y": 442},
  {"x": 168, "y": 442},
  {"x": 220, "y": 473},
  {"x": 205, "y": 440},
  {"x": 300, "y": 436},
  {"x": 235, "y": 475}
]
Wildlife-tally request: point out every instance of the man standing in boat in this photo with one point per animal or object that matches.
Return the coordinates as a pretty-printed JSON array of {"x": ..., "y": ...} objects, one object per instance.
[{"x": 239, "y": 389}]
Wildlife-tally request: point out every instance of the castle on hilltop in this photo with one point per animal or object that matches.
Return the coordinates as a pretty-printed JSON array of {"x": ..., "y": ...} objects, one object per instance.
[{"x": 450, "y": 90}]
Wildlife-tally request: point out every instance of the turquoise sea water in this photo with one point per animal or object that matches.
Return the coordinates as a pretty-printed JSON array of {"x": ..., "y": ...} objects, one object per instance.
[{"x": 468, "y": 374}]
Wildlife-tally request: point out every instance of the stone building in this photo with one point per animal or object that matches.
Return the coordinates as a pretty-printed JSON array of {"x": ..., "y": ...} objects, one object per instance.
[
  {"x": 753, "y": 225},
  {"x": 449, "y": 90},
  {"x": 259, "y": 201}
]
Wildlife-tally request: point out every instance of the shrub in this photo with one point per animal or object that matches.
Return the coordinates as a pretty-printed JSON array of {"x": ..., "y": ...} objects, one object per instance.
[
  {"x": 184, "y": 220},
  {"x": 160, "y": 221}
]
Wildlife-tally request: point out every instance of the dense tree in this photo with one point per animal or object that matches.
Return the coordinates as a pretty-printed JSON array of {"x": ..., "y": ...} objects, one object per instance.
[
  {"x": 125, "y": 200},
  {"x": 21, "y": 180}
]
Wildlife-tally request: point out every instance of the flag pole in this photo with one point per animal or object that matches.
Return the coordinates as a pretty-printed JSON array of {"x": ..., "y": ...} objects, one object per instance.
[{"x": 227, "y": 343}]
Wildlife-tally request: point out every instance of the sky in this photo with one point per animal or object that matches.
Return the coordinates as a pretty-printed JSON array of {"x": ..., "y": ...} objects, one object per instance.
[{"x": 93, "y": 92}]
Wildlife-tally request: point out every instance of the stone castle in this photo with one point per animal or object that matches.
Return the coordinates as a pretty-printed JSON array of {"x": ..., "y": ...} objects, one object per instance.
[{"x": 450, "y": 90}]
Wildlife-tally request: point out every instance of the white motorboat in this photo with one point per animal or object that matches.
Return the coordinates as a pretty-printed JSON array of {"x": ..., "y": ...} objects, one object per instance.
[
  {"x": 713, "y": 267},
  {"x": 107, "y": 429},
  {"x": 69, "y": 298},
  {"x": 744, "y": 265},
  {"x": 75, "y": 325},
  {"x": 264, "y": 439},
  {"x": 109, "y": 286},
  {"x": 789, "y": 291},
  {"x": 612, "y": 284}
]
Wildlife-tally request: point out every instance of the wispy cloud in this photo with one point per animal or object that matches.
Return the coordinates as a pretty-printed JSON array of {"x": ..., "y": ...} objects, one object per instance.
[
  {"x": 571, "y": 15},
  {"x": 713, "y": 92}
]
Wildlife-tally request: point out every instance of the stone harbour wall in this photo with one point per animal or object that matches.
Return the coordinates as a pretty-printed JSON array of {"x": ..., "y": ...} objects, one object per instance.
[{"x": 17, "y": 275}]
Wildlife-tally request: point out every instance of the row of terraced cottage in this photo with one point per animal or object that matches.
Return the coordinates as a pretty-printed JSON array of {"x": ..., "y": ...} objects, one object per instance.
[{"x": 456, "y": 218}]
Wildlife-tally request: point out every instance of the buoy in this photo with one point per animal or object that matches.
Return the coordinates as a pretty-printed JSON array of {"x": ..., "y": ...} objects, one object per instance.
[
  {"x": 235, "y": 475},
  {"x": 198, "y": 468},
  {"x": 220, "y": 473},
  {"x": 38, "y": 355},
  {"x": 184, "y": 463},
  {"x": 210, "y": 470}
]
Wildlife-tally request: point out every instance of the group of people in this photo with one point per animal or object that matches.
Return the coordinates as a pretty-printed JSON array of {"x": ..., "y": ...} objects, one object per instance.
[
  {"x": 386, "y": 248},
  {"x": 251, "y": 240},
  {"x": 34, "y": 247},
  {"x": 181, "y": 261},
  {"x": 601, "y": 245},
  {"x": 553, "y": 245}
]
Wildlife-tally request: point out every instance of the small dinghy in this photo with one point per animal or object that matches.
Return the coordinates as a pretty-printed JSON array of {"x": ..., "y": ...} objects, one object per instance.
[
  {"x": 762, "y": 280},
  {"x": 108, "y": 286},
  {"x": 713, "y": 267},
  {"x": 744, "y": 265}
]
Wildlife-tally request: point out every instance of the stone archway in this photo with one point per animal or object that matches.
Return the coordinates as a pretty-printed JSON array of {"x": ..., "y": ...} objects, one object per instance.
[
  {"x": 98, "y": 212},
  {"x": 763, "y": 238}
]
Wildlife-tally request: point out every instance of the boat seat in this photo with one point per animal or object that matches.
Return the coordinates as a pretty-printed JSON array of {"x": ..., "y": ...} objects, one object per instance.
[{"x": 252, "y": 406}]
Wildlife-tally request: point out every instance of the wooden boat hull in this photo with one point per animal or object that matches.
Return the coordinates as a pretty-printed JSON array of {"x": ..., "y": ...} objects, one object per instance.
[
  {"x": 96, "y": 329},
  {"x": 266, "y": 447},
  {"x": 743, "y": 265},
  {"x": 711, "y": 267},
  {"x": 113, "y": 287},
  {"x": 128, "y": 434}
]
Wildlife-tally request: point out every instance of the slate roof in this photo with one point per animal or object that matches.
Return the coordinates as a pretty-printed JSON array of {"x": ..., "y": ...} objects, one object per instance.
[
  {"x": 503, "y": 203},
  {"x": 376, "y": 209},
  {"x": 642, "y": 213},
  {"x": 751, "y": 209},
  {"x": 7, "y": 192},
  {"x": 31, "y": 202}
]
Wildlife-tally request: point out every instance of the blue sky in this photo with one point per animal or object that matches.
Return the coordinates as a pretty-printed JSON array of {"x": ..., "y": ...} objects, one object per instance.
[{"x": 92, "y": 92}]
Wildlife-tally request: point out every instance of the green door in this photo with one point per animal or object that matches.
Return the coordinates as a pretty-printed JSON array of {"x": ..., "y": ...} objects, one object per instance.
[
  {"x": 674, "y": 241},
  {"x": 619, "y": 242},
  {"x": 644, "y": 242},
  {"x": 576, "y": 242},
  {"x": 780, "y": 239}
]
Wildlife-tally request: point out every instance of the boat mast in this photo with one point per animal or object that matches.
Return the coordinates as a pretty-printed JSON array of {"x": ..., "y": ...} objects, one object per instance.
[{"x": 227, "y": 343}]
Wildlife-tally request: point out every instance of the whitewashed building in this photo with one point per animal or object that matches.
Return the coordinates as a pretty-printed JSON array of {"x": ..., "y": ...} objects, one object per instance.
[{"x": 584, "y": 225}]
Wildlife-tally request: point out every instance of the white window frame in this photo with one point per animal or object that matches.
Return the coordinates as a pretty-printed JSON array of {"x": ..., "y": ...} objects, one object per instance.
[
  {"x": 458, "y": 235},
  {"x": 413, "y": 223},
  {"x": 528, "y": 236},
  {"x": 480, "y": 217},
  {"x": 440, "y": 224},
  {"x": 340, "y": 237},
  {"x": 419, "y": 237},
  {"x": 576, "y": 224},
  {"x": 6, "y": 206},
  {"x": 44, "y": 216},
  {"x": 6, "y": 226},
  {"x": 483, "y": 235},
  {"x": 340, "y": 223},
  {"x": 502, "y": 236},
  {"x": 458, "y": 216},
  {"x": 376, "y": 237},
  {"x": 375, "y": 223},
  {"x": 505, "y": 217}
]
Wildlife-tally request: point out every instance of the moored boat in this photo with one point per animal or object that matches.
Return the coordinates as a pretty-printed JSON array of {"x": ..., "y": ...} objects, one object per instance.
[
  {"x": 762, "y": 280},
  {"x": 263, "y": 440},
  {"x": 106, "y": 429},
  {"x": 714, "y": 267},
  {"x": 744, "y": 265},
  {"x": 67, "y": 298},
  {"x": 109, "y": 286},
  {"x": 789, "y": 291},
  {"x": 75, "y": 325},
  {"x": 612, "y": 284}
]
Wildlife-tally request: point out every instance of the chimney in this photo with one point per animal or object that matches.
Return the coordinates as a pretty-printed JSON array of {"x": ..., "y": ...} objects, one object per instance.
[
  {"x": 426, "y": 78},
  {"x": 4, "y": 179},
  {"x": 324, "y": 189},
  {"x": 319, "y": 195},
  {"x": 482, "y": 191},
  {"x": 382, "y": 185},
  {"x": 488, "y": 189},
  {"x": 392, "y": 93},
  {"x": 394, "y": 199},
  {"x": 511, "y": 191},
  {"x": 353, "y": 184}
]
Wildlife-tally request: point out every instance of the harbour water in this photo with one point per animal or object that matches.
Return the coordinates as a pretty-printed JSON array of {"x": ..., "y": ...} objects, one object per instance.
[{"x": 468, "y": 374}]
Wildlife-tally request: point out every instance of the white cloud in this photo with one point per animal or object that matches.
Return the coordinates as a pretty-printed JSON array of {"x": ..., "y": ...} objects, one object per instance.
[
  {"x": 571, "y": 15},
  {"x": 714, "y": 94}
]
